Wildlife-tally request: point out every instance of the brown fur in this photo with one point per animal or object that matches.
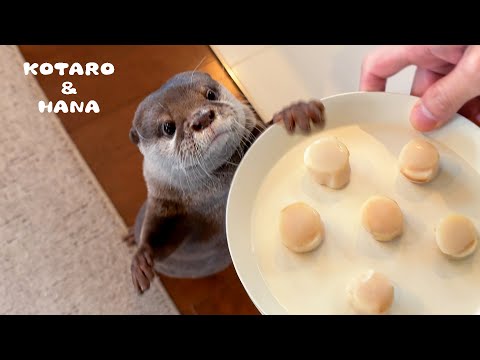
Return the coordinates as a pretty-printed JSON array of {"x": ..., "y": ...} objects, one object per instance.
[
  {"x": 176, "y": 197},
  {"x": 188, "y": 174}
]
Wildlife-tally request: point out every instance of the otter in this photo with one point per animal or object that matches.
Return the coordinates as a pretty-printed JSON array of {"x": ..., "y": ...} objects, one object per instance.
[{"x": 193, "y": 133}]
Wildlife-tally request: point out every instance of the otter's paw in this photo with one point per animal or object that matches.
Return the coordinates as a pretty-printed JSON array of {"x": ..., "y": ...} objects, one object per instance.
[
  {"x": 142, "y": 269},
  {"x": 301, "y": 114},
  {"x": 129, "y": 239}
]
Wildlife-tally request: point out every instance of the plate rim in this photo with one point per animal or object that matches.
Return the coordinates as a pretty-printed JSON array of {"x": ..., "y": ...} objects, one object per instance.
[{"x": 457, "y": 117}]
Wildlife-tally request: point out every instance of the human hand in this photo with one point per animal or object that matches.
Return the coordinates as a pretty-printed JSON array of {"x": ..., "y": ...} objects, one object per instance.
[{"x": 447, "y": 79}]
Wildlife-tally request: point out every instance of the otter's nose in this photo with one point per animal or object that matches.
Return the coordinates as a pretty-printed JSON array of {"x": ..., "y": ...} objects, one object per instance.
[{"x": 203, "y": 120}]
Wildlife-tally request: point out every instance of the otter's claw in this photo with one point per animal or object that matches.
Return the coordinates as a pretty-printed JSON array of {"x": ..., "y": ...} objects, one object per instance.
[
  {"x": 129, "y": 238},
  {"x": 142, "y": 269},
  {"x": 300, "y": 114}
]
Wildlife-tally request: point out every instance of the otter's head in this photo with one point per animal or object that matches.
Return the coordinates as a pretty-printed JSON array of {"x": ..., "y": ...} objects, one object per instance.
[{"x": 192, "y": 121}]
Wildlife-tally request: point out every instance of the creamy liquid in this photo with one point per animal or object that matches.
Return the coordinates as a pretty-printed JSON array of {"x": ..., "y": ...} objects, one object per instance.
[{"x": 425, "y": 281}]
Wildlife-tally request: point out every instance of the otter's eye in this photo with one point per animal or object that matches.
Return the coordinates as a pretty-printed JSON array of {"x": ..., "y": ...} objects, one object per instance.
[
  {"x": 169, "y": 128},
  {"x": 211, "y": 95}
]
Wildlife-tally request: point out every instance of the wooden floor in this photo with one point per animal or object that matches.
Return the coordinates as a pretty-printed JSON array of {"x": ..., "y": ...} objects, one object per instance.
[{"x": 103, "y": 140}]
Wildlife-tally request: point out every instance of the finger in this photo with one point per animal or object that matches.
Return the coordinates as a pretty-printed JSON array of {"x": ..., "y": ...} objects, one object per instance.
[
  {"x": 446, "y": 96},
  {"x": 134, "y": 281},
  {"x": 450, "y": 53},
  {"x": 304, "y": 109},
  {"x": 301, "y": 119},
  {"x": 277, "y": 117},
  {"x": 147, "y": 271},
  {"x": 381, "y": 64},
  {"x": 288, "y": 120},
  {"x": 144, "y": 262},
  {"x": 314, "y": 113},
  {"x": 442, "y": 69},
  {"x": 319, "y": 105},
  {"x": 142, "y": 280},
  {"x": 423, "y": 80},
  {"x": 471, "y": 110},
  {"x": 148, "y": 257},
  {"x": 138, "y": 289},
  {"x": 386, "y": 61}
]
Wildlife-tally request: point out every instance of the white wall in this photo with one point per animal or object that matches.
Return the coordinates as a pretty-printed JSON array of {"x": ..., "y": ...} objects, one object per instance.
[{"x": 273, "y": 76}]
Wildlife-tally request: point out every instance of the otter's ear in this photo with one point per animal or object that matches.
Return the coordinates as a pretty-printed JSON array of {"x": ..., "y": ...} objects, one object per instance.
[{"x": 133, "y": 135}]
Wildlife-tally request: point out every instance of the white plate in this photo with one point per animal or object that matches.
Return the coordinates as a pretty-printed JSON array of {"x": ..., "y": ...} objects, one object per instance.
[{"x": 374, "y": 126}]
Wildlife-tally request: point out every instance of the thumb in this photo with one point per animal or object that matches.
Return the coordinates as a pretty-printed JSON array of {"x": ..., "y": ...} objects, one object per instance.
[
  {"x": 446, "y": 96},
  {"x": 441, "y": 101}
]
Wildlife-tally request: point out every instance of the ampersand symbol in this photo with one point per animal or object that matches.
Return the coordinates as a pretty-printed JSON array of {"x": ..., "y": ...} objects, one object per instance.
[{"x": 68, "y": 89}]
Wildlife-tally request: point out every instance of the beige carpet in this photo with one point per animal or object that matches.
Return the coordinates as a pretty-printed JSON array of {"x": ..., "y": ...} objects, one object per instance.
[{"x": 60, "y": 237}]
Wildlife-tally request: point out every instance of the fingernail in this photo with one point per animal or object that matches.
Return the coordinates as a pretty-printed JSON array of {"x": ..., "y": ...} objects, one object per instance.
[
  {"x": 477, "y": 118},
  {"x": 422, "y": 119}
]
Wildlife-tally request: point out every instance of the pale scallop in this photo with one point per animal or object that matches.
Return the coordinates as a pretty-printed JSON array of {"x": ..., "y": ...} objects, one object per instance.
[
  {"x": 327, "y": 160},
  {"x": 301, "y": 227},
  {"x": 456, "y": 236},
  {"x": 382, "y": 217},
  {"x": 371, "y": 293},
  {"x": 419, "y": 161}
]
